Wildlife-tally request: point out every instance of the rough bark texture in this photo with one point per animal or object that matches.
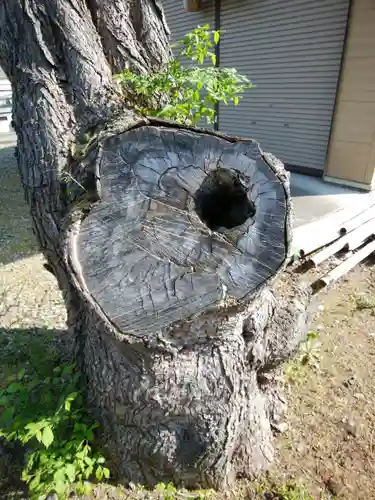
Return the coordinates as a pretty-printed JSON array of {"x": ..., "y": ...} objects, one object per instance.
[
  {"x": 166, "y": 243},
  {"x": 180, "y": 326}
]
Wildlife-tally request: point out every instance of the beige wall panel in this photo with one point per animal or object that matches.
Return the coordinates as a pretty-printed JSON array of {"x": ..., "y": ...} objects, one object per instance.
[
  {"x": 350, "y": 159},
  {"x": 356, "y": 122},
  {"x": 351, "y": 151}
]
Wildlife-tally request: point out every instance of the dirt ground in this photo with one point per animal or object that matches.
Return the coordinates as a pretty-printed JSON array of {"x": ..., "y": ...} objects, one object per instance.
[
  {"x": 328, "y": 445},
  {"x": 331, "y": 438}
]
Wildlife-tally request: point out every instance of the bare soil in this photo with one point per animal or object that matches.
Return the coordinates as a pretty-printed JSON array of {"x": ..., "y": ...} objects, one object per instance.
[{"x": 328, "y": 444}]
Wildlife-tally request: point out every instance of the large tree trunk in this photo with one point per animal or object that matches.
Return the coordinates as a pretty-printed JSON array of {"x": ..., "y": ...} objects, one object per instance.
[{"x": 165, "y": 241}]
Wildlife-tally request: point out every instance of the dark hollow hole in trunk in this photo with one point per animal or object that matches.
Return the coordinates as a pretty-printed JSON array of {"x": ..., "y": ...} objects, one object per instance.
[{"x": 222, "y": 201}]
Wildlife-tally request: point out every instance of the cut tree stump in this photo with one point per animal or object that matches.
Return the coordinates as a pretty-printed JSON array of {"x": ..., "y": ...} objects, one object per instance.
[
  {"x": 165, "y": 242},
  {"x": 173, "y": 246}
]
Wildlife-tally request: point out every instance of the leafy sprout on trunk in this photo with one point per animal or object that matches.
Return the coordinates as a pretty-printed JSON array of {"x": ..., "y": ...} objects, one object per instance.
[{"x": 186, "y": 94}]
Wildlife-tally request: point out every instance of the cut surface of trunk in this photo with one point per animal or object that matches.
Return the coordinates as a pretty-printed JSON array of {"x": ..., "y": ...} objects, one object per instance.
[
  {"x": 165, "y": 240},
  {"x": 186, "y": 221}
]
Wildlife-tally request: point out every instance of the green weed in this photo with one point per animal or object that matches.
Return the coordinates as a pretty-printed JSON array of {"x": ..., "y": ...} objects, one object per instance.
[
  {"x": 365, "y": 301},
  {"x": 42, "y": 407},
  {"x": 287, "y": 491},
  {"x": 307, "y": 358}
]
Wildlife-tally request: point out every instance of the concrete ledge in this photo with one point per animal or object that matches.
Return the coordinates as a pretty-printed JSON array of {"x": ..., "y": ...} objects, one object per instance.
[
  {"x": 353, "y": 184},
  {"x": 8, "y": 139},
  {"x": 314, "y": 198}
]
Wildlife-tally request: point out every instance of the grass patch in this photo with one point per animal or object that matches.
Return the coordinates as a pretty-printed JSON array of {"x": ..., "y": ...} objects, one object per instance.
[
  {"x": 287, "y": 491},
  {"x": 365, "y": 301},
  {"x": 307, "y": 359},
  {"x": 42, "y": 410},
  {"x": 164, "y": 491}
]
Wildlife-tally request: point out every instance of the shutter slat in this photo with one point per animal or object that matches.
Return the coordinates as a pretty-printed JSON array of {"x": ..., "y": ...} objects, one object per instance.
[{"x": 291, "y": 51}]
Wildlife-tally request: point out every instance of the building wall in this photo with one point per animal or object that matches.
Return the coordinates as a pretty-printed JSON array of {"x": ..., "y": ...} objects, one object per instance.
[
  {"x": 351, "y": 152},
  {"x": 5, "y": 103}
]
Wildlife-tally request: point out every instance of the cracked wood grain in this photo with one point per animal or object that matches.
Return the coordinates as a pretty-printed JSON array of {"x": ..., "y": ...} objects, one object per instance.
[{"x": 146, "y": 256}]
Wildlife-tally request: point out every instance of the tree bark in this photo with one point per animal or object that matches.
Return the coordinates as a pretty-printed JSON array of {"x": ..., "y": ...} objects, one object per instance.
[{"x": 165, "y": 241}]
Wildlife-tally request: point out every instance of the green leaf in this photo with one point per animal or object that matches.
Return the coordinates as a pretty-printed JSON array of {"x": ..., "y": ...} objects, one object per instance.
[
  {"x": 106, "y": 472},
  {"x": 99, "y": 473},
  {"x": 12, "y": 388},
  {"x": 38, "y": 435},
  {"x": 47, "y": 436},
  {"x": 34, "y": 483},
  {"x": 59, "y": 476},
  {"x": 213, "y": 58},
  {"x": 34, "y": 426},
  {"x": 67, "y": 370},
  {"x": 60, "y": 487},
  {"x": 88, "y": 472},
  {"x": 89, "y": 435},
  {"x": 236, "y": 100},
  {"x": 69, "y": 400},
  {"x": 70, "y": 472},
  {"x": 7, "y": 415},
  {"x": 88, "y": 460},
  {"x": 216, "y": 37}
]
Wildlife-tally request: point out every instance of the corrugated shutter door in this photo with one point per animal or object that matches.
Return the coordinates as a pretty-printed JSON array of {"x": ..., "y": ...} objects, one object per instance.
[
  {"x": 291, "y": 50},
  {"x": 181, "y": 22}
]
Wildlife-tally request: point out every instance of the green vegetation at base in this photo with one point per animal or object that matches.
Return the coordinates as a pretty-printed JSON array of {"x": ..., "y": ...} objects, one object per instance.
[{"x": 43, "y": 408}]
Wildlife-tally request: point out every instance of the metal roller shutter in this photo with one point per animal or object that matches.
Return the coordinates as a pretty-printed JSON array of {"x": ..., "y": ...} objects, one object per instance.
[
  {"x": 291, "y": 50},
  {"x": 181, "y": 22}
]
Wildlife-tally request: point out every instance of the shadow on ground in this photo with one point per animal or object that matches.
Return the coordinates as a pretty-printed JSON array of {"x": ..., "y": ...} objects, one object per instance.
[
  {"x": 11, "y": 462},
  {"x": 16, "y": 236}
]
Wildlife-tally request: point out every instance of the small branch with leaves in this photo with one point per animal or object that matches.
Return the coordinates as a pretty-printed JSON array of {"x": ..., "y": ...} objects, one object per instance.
[{"x": 186, "y": 94}]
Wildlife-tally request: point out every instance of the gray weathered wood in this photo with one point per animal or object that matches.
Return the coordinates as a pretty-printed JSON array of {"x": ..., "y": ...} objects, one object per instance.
[
  {"x": 172, "y": 301},
  {"x": 147, "y": 257}
]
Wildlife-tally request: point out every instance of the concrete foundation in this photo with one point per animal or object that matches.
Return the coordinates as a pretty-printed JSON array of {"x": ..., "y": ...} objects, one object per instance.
[{"x": 314, "y": 199}]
